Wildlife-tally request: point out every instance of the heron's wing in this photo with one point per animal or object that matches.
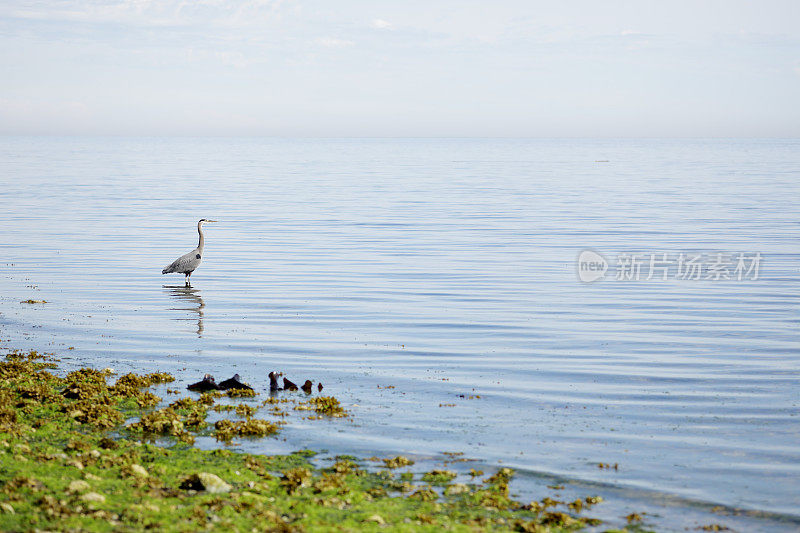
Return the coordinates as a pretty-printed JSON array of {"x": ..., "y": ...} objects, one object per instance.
[{"x": 185, "y": 263}]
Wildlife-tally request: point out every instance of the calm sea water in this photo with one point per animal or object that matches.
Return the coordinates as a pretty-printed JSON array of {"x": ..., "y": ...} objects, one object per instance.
[{"x": 444, "y": 268}]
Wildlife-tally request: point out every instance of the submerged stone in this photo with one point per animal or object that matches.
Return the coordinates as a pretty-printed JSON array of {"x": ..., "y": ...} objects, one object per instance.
[
  {"x": 234, "y": 382},
  {"x": 206, "y": 384},
  {"x": 273, "y": 382},
  {"x": 456, "y": 488}
]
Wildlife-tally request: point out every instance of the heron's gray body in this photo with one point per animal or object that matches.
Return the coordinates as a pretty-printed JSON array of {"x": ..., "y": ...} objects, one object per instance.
[{"x": 187, "y": 263}]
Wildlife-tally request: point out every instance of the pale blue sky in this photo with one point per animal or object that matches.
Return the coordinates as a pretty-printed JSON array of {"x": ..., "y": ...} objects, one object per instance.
[{"x": 370, "y": 68}]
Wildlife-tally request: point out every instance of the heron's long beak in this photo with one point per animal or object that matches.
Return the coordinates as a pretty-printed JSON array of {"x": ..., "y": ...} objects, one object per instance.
[{"x": 212, "y": 220}]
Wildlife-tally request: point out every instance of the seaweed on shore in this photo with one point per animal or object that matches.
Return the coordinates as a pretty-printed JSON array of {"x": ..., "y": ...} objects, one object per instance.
[
  {"x": 69, "y": 463},
  {"x": 323, "y": 405}
]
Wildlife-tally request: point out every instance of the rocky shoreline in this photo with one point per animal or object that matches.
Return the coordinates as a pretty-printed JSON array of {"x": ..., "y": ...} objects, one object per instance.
[{"x": 79, "y": 453}]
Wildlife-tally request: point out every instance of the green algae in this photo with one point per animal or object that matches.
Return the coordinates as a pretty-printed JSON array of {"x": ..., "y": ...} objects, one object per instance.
[
  {"x": 226, "y": 430},
  {"x": 240, "y": 393},
  {"x": 397, "y": 462},
  {"x": 323, "y": 405},
  {"x": 90, "y": 472},
  {"x": 439, "y": 477},
  {"x": 242, "y": 409}
]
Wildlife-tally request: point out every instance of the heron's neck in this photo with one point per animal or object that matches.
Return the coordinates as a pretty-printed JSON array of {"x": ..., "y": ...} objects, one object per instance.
[{"x": 202, "y": 242}]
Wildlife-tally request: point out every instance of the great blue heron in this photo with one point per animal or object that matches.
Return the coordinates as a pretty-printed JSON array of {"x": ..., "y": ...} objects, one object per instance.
[{"x": 187, "y": 263}]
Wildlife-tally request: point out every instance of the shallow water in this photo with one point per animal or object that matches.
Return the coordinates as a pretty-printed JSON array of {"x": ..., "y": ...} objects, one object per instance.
[{"x": 443, "y": 268}]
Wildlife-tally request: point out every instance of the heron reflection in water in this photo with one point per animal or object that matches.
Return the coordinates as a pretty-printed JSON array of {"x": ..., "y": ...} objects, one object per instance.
[{"x": 191, "y": 296}]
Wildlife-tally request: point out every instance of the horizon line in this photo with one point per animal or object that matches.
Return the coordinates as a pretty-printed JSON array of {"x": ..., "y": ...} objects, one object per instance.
[{"x": 389, "y": 137}]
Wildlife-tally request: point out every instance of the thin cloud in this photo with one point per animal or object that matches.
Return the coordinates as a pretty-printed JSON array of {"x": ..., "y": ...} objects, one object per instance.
[
  {"x": 329, "y": 42},
  {"x": 381, "y": 24},
  {"x": 148, "y": 12}
]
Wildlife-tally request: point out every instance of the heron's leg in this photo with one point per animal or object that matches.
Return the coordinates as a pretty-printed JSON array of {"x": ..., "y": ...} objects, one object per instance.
[{"x": 187, "y": 279}]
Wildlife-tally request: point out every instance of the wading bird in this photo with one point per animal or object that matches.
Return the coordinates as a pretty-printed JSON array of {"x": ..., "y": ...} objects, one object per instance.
[{"x": 187, "y": 263}]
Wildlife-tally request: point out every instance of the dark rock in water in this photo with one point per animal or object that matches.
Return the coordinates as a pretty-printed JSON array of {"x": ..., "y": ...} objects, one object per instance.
[
  {"x": 288, "y": 385},
  {"x": 273, "y": 381},
  {"x": 234, "y": 383},
  {"x": 205, "y": 385},
  {"x": 319, "y": 387},
  {"x": 307, "y": 386}
]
